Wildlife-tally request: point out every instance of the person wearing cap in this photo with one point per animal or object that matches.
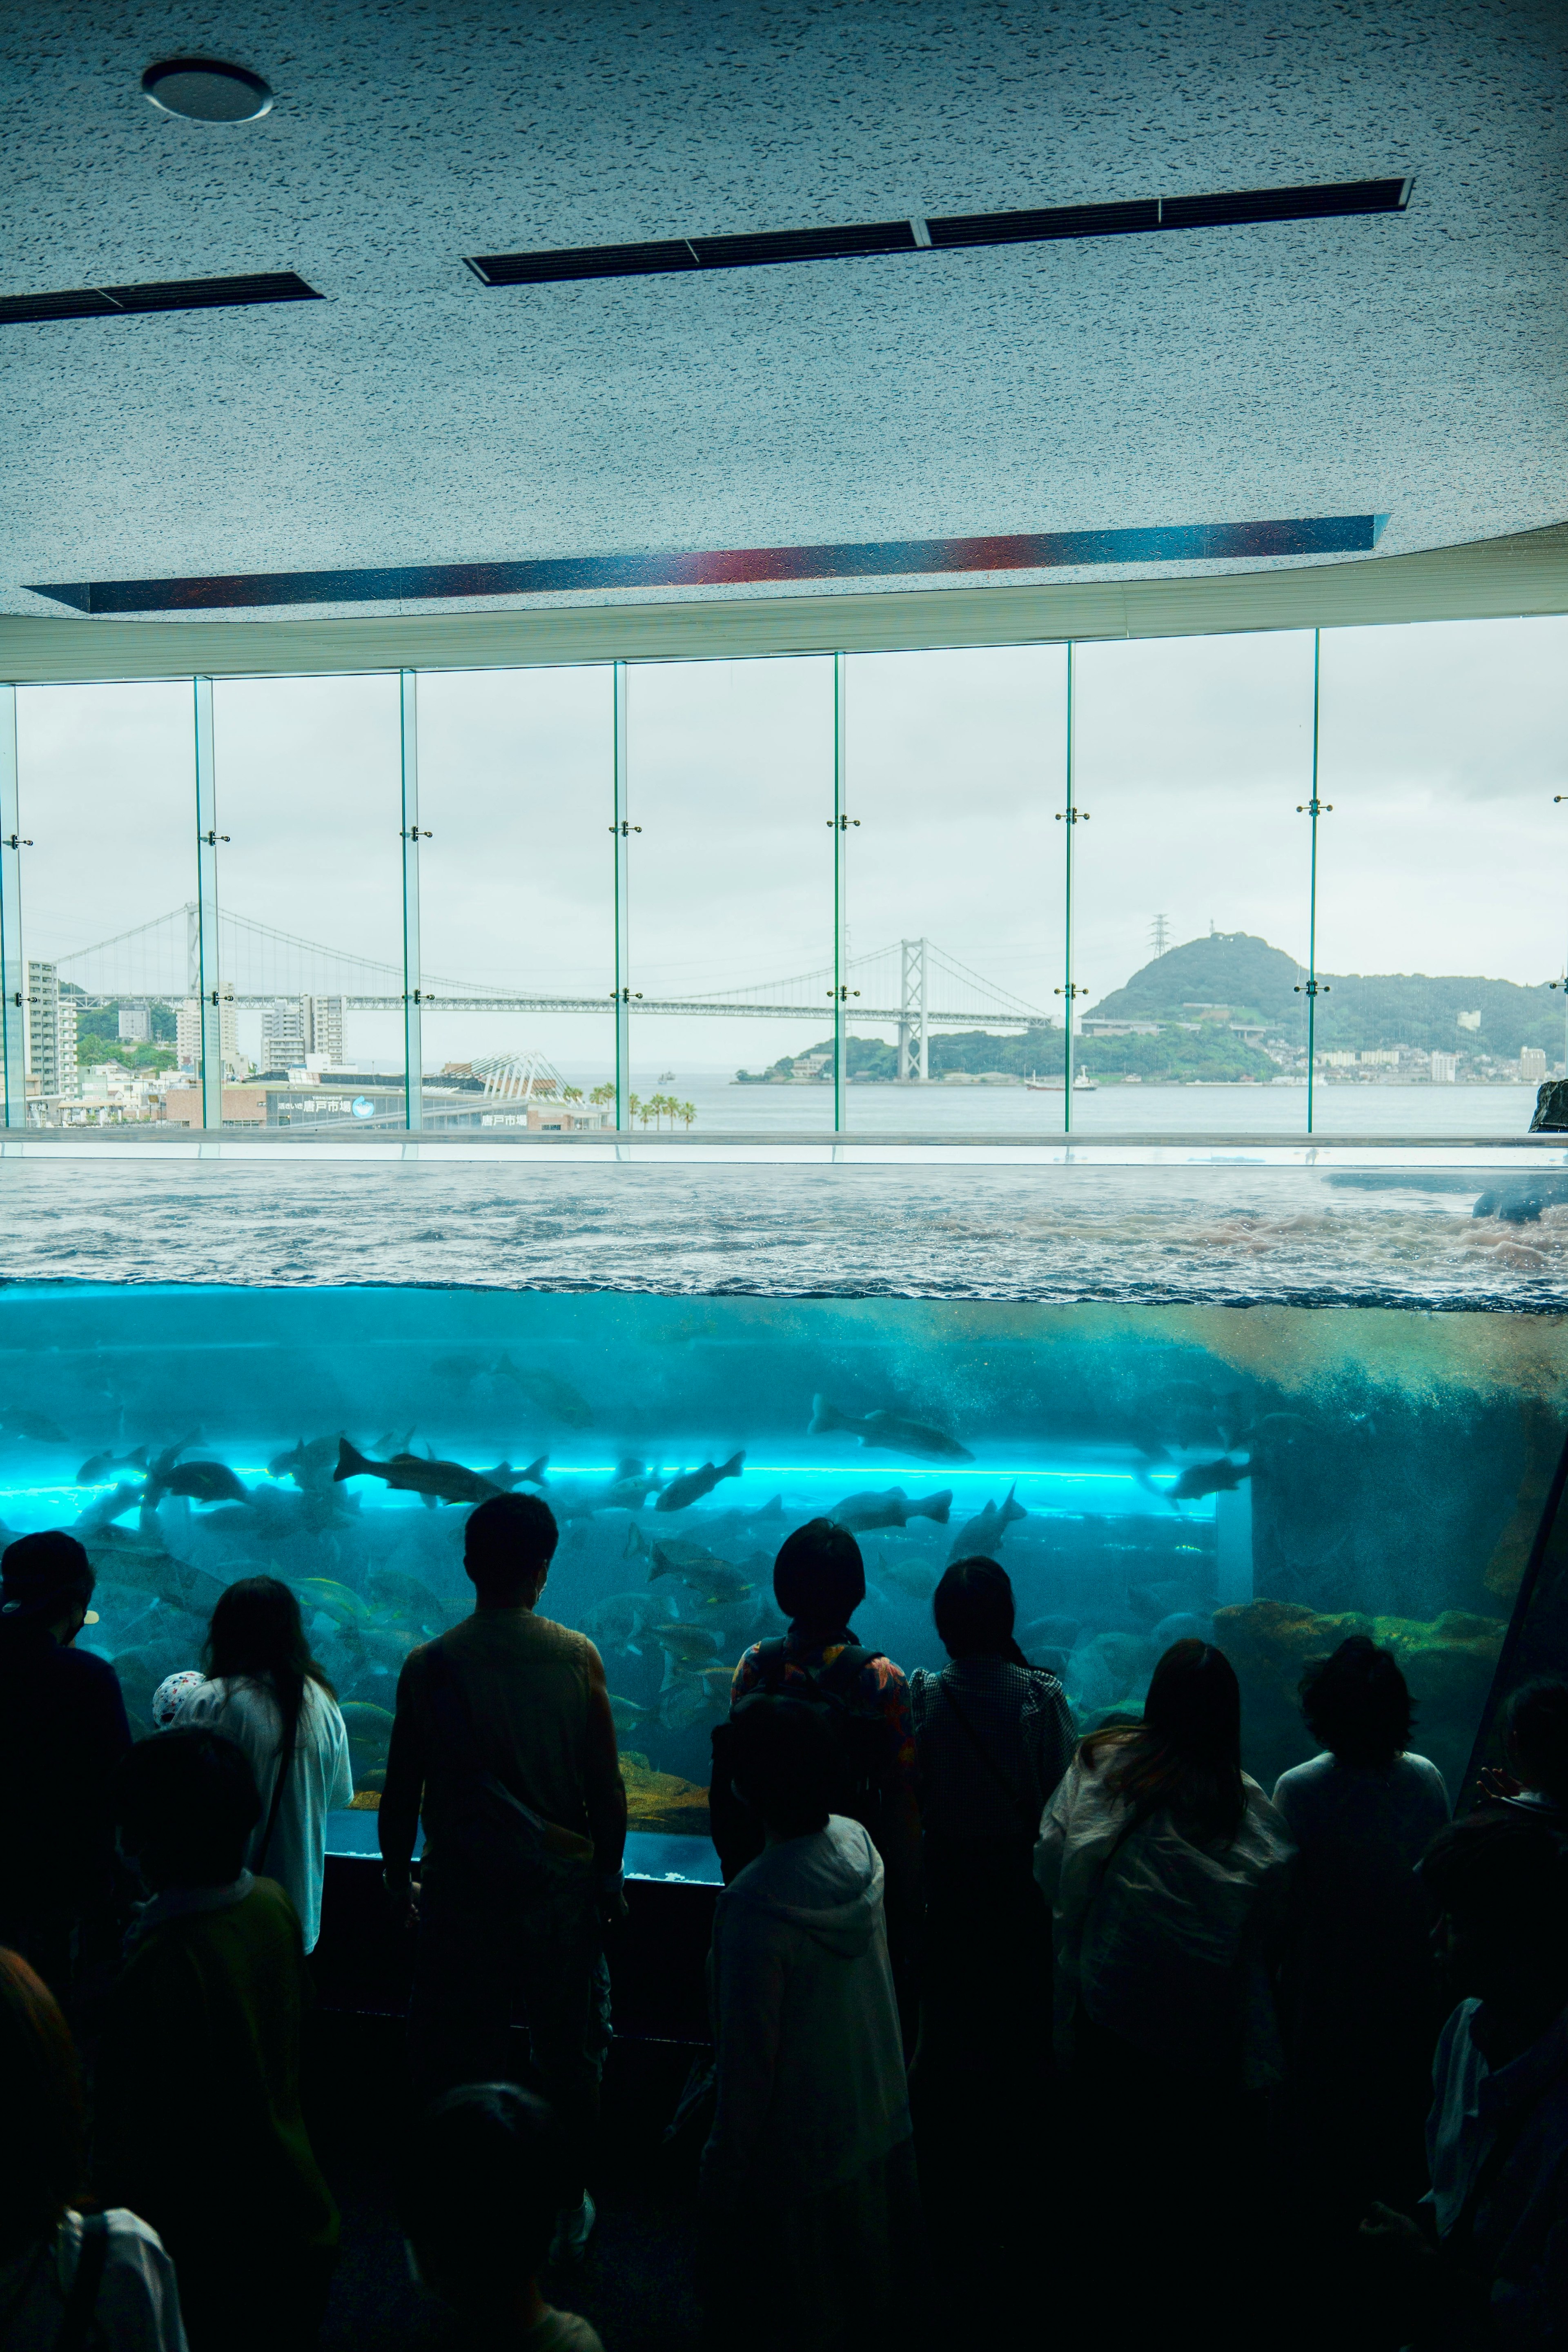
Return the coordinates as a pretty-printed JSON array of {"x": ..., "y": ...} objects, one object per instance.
[{"x": 62, "y": 1733}]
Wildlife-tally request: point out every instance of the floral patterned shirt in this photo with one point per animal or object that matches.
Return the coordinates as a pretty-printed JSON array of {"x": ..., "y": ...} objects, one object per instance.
[{"x": 880, "y": 1690}]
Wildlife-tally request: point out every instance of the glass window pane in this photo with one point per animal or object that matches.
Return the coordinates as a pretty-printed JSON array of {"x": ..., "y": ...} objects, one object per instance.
[
  {"x": 309, "y": 884},
  {"x": 1192, "y": 883},
  {"x": 956, "y": 768},
  {"x": 731, "y": 779},
  {"x": 1441, "y": 875},
  {"x": 107, "y": 792},
  {"x": 517, "y": 898}
]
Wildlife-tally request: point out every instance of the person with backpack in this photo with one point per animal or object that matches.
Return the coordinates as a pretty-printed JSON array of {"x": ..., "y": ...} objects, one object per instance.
[
  {"x": 819, "y": 1582},
  {"x": 265, "y": 1691},
  {"x": 504, "y": 1743},
  {"x": 69, "y": 2279},
  {"x": 811, "y": 2209}
]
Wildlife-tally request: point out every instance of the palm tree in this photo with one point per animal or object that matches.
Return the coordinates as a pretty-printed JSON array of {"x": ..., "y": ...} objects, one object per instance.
[
  {"x": 601, "y": 1096},
  {"x": 635, "y": 1110},
  {"x": 644, "y": 1111},
  {"x": 688, "y": 1112},
  {"x": 571, "y": 1094}
]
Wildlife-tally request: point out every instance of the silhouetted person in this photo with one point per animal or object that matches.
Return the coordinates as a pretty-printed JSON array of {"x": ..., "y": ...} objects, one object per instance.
[
  {"x": 1484, "y": 2263},
  {"x": 819, "y": 1582},
  {"x": 481, "y": 2198},
  {"x": 504, "y": 1739},
  {"x": 62, "y": 1733},
  {"x": 1358, "y": 1989},
  {"x": 809, "y": 2181},
  {"x": 265, "y": 1691},
  {"x": 199, "y": 2124},
  {"x": 107, "y": 2275},
  {"x": 1535, "y": 1750},
  {"x": 1165, "y": 1866}
]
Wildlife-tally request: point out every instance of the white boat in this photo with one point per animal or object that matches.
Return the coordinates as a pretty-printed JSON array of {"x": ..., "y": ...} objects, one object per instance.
[{"x": 1082, "y": 1084}]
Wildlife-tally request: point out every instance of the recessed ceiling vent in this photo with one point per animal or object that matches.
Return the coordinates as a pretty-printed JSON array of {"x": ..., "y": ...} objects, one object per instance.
[
  {"x": 172, "y": 294},
  {"x": 205, "y": 90},
  {"x": 1047, "y": 224}
]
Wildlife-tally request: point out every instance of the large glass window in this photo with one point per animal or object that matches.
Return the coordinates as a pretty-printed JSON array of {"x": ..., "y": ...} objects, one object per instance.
[
  {"x": 730, "y": 920},
  {"x": 1442, "y": 861},
  {"x": 517, "y": 898},
  {"x": 1191, "y": 875},
  {"x": 310, "y": 895},
  {"x": 105, "y": 779},
  {"x": 954, "y": 907}
]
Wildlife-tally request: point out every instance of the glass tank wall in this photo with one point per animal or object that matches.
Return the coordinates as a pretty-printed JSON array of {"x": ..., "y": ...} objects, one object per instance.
[
  {"x": 1276, "y": 1477},
  {"x": 1269, "y": 884}
]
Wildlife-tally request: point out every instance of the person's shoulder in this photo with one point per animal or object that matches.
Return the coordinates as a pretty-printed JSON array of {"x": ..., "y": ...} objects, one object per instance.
[
  {"x": 1298, "y": 1780},
  {"x": 1420, "y": 1772},
  {"x": 562, "y": 2331},
  {"x": 88, "y": 1672},
  {"x": 267, "y": 1915}
]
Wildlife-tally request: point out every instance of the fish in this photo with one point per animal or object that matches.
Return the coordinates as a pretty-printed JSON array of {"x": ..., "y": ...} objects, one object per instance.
[
  {"x": 100, "y": 1467},
  {"x": 202, "y": 1481},
  {"x": 122, "y": 1556},
  {"x": 308, "y": 1464},
  {"x": 553, "y": 1396},
  {"x": 886, "y": 1433},
  {"x": 1221, "y": 1477},
  {"x": 106, "y": 1508},
  {"x": 630, "y": 1714},
  {"x": 21, "y": 1421},
  {"x": 692, "y": 1485},
  {"x": 715, "y": 1580},
  {"x": 393, "y": 1588},
  {"x": 504, "y": 1477},
  {"x": 412, "y": 1474},
  {"x": 691, "y": 1646},
  {"x": 390, "y": 1444},
  {"x": 862, "y": 1514},
  {"x": 910, "y": 1577},
  {"x": 365, "y": 1720},
  {"x": 335, "y": 1600},
  {"x": 620, "y": 1620},
  {"x": 630, "y": 1487},
  {"x": 981, "y": 1537}
]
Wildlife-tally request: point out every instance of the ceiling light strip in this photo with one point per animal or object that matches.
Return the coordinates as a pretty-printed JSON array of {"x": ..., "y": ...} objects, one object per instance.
[
  {"x": 1048, "y": 224},
  {"x": 174, "y": 294},
  {"x": 733, "y": 567}
]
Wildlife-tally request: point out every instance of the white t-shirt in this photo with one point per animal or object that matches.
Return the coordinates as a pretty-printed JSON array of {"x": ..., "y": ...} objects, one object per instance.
[
  {"x": 562, "y": 2331},
  {"x": 320, "y": 1782},
  {"x": 138, "y": 2305}
]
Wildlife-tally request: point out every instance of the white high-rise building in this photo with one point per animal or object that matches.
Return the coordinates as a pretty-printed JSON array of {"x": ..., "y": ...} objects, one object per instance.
[
  {"x": 135, "y": 1024},
  {"x": 1531, "y": 1066},
  {"x": 50, "y": 1036},
  {"x": 189, "y": 1035},
  {"x": 295, "y": 1029},
  {"x": 1444, "y": 1069}
]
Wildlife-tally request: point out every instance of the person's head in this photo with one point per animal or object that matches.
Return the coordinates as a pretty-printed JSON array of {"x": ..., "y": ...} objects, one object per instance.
[
  {"x": 45, "y": 1583},
  {"x": 257, "y": 1634},
  {"x": 1535, "y": 1737},
  {"x": 1357, "y": 1703},
  {"x": 972, "y": 1606},
  {"x": 481, "y": 2193},
  {"x": 1499, "y": 1878},
  {"x": 185, "y": 1806},
  {"x": 782, "y": 1763},
  {"x": 1185, "y": 1755},
  {"x": 508, "y": 1546},
  {"x": 819, "y": 1578},
  {"x": 43, "y": 2148}
]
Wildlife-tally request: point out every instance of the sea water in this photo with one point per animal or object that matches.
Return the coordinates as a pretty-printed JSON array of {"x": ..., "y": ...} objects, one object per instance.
[{"x": 1269, "y": 1475}]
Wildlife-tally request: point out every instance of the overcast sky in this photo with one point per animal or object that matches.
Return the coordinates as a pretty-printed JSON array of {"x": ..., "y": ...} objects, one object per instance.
[{"x": 1440, "y": 747}]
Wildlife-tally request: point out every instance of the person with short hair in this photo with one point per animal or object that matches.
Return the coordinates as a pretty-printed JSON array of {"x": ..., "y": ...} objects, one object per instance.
[
  {"x": 1535, "y": 1749},
  {"x": 505, "y": 1742},
  {"x": 105, "y": 2279},
  {"x": 1358, "y": 1990},
  {"x": 807, "y": 2179},
  {"x": 62, "y": 1733},
  {"x": 481, "y": 2196},
  {"x": 200, "y": 2128},
  {"x": 819, "y": 1582},
  {"x": 265, "y": 1691},
  {"x": 1485, "y": 2261}
]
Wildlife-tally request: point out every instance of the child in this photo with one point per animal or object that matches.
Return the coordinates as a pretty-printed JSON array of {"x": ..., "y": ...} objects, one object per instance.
[{"x": 480, "y": 2207}]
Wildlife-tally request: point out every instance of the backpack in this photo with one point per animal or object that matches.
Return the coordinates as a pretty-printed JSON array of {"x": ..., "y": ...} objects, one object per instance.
[
  {"x": 859, "y": 1743},
  {"x": 493, "y": 1840}
]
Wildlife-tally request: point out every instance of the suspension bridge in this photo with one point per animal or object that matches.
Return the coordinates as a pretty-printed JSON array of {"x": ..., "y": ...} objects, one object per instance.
[{"x": 911, "y": 983}]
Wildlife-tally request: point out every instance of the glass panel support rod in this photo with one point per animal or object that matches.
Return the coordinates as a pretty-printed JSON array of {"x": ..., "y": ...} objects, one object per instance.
[
  {"x": 204, "y": 955},
  {"x": 841, "y": 889},
  {"x": 12, "y": 969},
  {"x": 413, "y": 992},
  {"x": 1072, "y": 816},
  {"x": 622, "y": 830},
  {"x": 1313, "y": 809}
]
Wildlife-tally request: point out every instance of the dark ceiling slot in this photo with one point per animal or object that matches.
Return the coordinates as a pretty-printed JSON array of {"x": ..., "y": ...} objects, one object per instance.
[
  {"x": 803, "y": 245},
  {"x": 1045, "y": 225},
  {"x": 176, "y": 294},
  {"x": 583, "y": 261}
]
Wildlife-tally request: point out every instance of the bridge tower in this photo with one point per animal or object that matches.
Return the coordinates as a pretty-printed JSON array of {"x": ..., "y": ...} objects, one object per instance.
[{"x": 914, "y": 1049}]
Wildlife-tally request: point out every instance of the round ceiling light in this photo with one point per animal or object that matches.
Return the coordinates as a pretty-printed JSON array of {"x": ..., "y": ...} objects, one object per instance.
[{"x": 205, "y": 91}]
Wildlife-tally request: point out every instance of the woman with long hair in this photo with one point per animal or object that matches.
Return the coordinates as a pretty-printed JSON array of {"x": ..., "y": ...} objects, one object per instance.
[
  {"x": 106, "y": 2276},
  {"x": 266, "y": 1692},
  {"x": 1165, "y": 1866}
]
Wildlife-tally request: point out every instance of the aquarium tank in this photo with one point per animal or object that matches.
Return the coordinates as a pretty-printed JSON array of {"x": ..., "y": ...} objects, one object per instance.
[{"x": 1273, "y": 1477}]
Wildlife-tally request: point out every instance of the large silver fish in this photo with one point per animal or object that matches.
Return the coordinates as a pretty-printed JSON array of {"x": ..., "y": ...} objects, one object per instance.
[
  {"x": 1222, "y": 1477},
  {"x": 864, "y": 1513},
  {"x": 308, "y": 1464},
  {"x": 886, "y": 1433},
  {"x": 442, "y": 1482},
  {"x": 981, "y": 1537},
  {"x": 692, "y": 1485},
  {"x": 100, "y": 1467}
]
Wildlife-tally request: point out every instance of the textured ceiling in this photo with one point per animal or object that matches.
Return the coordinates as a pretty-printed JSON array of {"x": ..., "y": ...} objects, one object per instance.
[{"x": 1410, "y": 365}]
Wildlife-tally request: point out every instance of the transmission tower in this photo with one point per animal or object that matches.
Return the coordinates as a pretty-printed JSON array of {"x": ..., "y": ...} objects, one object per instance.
[{"x": 1160, "y": 934}]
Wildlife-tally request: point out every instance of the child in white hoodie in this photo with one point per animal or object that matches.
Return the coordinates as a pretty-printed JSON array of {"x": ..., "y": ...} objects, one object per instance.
[{"x": 808, "y": 2178}]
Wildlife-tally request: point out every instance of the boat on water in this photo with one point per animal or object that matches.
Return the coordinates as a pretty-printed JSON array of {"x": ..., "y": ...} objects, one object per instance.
[
  {"x": 1082, "y": 1084},
  {"x": 667, "y": 1077}
]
